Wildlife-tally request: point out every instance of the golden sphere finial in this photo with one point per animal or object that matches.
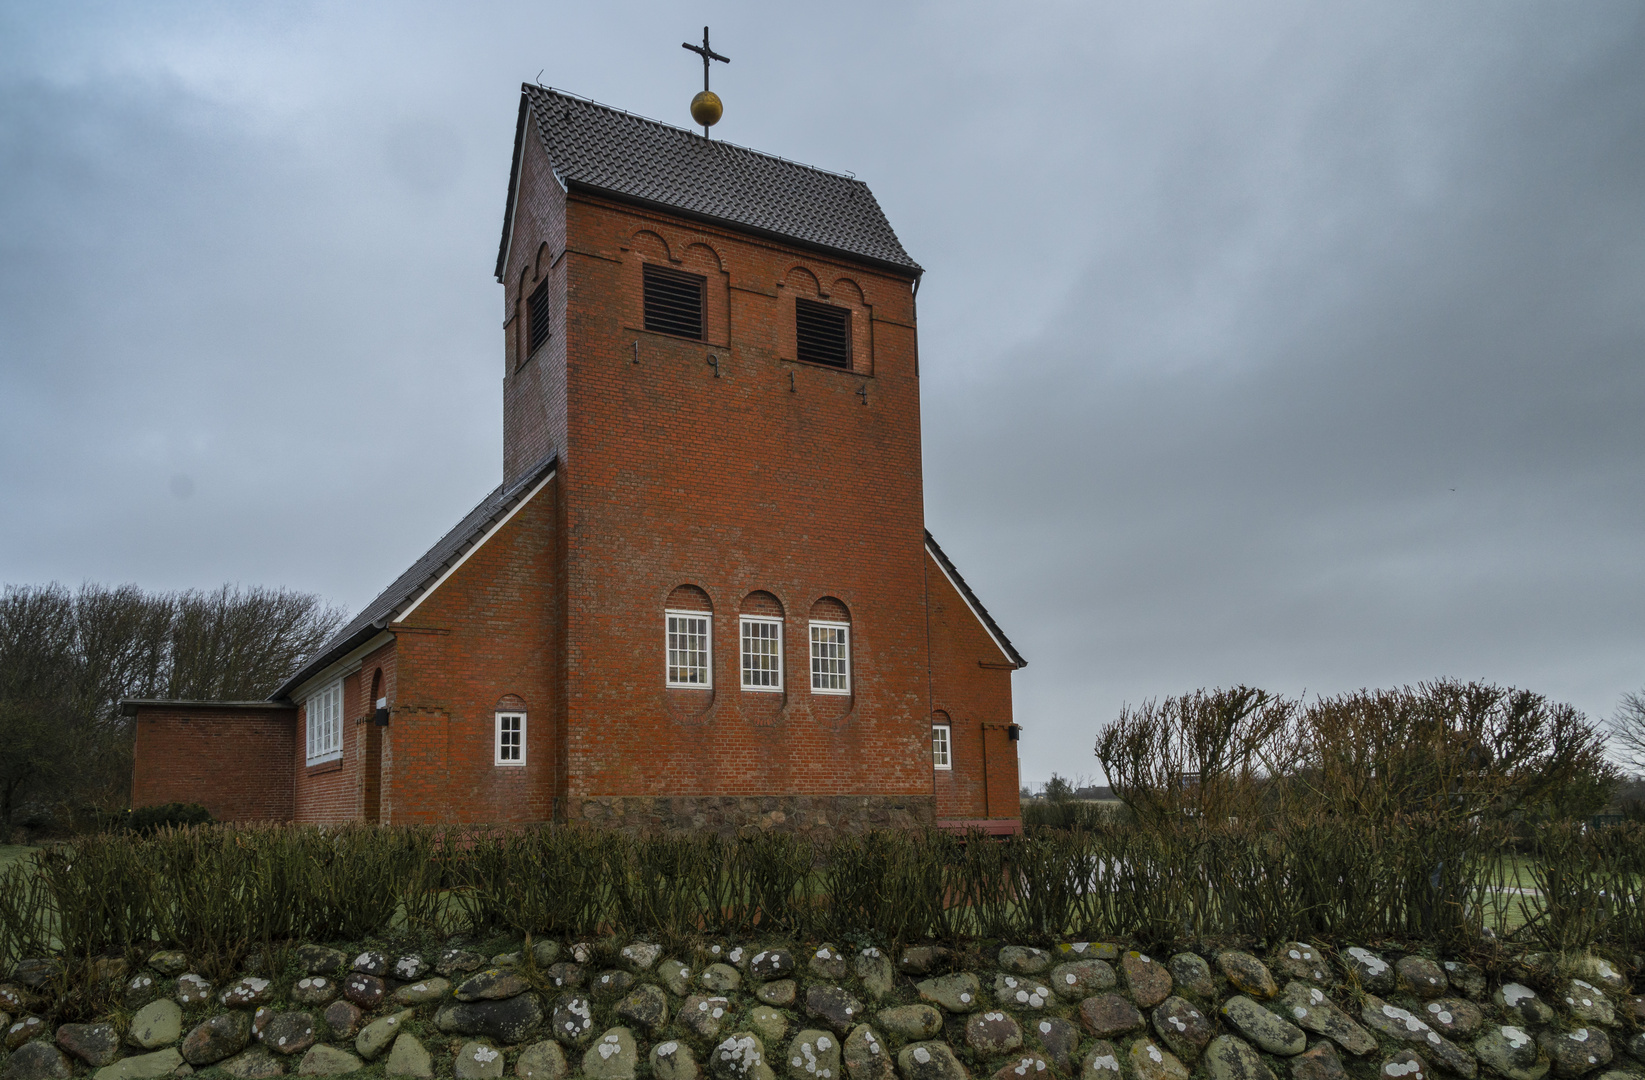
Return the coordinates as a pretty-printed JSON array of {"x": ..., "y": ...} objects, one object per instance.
[{"x": 706, "y": 108}]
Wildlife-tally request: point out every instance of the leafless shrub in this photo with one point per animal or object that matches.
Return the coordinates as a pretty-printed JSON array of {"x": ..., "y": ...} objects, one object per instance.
[
  {"x": 1206, "y": 756},
  {"x": 1450, "y": 749}
]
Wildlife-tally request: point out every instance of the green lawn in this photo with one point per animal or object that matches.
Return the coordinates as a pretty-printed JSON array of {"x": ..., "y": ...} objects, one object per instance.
[{"x": 10, "y": 853}]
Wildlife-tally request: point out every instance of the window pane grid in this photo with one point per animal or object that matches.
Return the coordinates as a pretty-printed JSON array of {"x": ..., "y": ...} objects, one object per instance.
[
  {"x": 939, "y": 747},
  {"x": 830, "y": 658},
  {"x": 688, "y": 650},
  {"x": 762, "y": 654},
  {"x": 325, "y": 722},
  {"x": 510, "y": 739}
]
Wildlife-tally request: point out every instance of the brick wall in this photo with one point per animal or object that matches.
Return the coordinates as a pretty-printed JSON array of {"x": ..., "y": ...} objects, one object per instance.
[
  {"x": 483, "y": 640},
  {"x": 757, "y": 474},
  {"x": 971, "y": 689},
  {"x": 534, "y": 386},
  {"x": 328, "y": 793},
  {"x": 235, "y": 761}
]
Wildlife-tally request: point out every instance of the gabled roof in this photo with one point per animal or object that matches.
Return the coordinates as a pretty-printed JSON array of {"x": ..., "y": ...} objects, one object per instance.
[
  {"x": 629, "y": 157},
  {"x": 971, "y": 600},
  {"x": 426, "y": 572}
]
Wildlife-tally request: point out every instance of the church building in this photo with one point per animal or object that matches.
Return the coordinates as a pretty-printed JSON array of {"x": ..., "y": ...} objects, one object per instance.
[{"x": 704, "y": 594}]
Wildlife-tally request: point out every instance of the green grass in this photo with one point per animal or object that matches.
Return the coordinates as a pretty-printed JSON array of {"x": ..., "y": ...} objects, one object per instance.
[{"x": 12, "y": 853}]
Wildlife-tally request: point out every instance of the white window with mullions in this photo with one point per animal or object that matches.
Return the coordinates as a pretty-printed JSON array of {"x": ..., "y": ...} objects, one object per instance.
[
  {"x": 762, "y": 653},
  {"x": 830, "y": 658},
  {"x": 323, "y": 712},
  {"x": 510, "y": 742},
  {"x": 941, "y": 755},
  {"x": 689, "y": 649}
]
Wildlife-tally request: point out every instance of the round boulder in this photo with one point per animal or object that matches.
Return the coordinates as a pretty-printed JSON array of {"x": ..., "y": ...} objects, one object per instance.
[
  {"x": 1512, "y": 1052},
  {"x": 1248, "y": 974},
  {"x": 1230, "y": 1058},
  {"x": 1108, "y": 1015},
  {"x": 813, "y": 1055},
  {"x": 930, "y": 1061},
  {"x": 1079, "y": 979},
  {"x": 1421, "y": 977},
  {"x": 1024, "y": 959},
  {"x": 612, "y": 1057},
  {"x": 1149, "y": 982},
  {"x": 1182, "y": 1027},
  {"x": 1192, "y": 976},
  {"x": 866, "y": 1056},
  {"x": 224, "y": 1035},
  {"x": 38, "y": 1061},
  {"x": 1150, "y": 1062},
  {"x": 991, "y": 1033},
  {"x": 1404, "y": 1065}
]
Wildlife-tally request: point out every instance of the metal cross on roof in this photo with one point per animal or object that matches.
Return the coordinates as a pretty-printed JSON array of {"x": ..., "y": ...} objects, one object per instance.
[{"x": 707, "y": 54}]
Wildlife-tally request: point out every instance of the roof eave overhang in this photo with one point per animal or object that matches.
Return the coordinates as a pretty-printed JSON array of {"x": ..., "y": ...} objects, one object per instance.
[
  {"x": 129, "y": 706},
  {"x": 911, "y": 271}
]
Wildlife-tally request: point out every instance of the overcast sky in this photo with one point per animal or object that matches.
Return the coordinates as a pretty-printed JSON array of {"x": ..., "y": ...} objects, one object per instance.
[{"x": 1293, "y": 344}]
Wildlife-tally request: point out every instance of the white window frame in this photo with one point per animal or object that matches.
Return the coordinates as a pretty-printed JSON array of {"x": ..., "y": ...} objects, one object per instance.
[
  {"x": 845, "y": 675},
  {"x": 743, "y": 623},
  {"x": 323, "y": 723},
  {"x": 707, "y": 618},
  {"x": 499, "y": 746},
  {"x": 942, "y": 746}
]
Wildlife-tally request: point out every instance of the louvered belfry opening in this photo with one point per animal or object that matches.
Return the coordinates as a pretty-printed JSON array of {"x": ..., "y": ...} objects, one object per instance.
[
  {"x": 823, "y": 332},
  {"x": 537, "y": 319},
  {"x": 674, "y": 301}
]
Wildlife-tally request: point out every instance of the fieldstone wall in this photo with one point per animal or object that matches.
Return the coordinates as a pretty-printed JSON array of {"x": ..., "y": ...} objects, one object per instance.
[
  {"x": 759, "y": 1010},
  {"x": 726, "y": 815}
]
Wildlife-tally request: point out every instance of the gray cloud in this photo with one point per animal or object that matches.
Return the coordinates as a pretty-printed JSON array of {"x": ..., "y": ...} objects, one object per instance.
[{"x": 1268, "y": 343}]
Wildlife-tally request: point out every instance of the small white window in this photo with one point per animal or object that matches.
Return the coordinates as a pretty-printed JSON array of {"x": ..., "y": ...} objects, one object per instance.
[
  {"x": 762, "y": 654},
  {"x": 510, "y": 738},
  {"x": 324, "y": 712},
  {"x": 830, "y": 658},
  {"x": 688, "y": 649},
  {"x": 940, "y": 758}
]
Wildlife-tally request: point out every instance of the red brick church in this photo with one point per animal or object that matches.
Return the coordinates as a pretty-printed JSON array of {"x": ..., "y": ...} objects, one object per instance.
[{"x": 703, "y": 595}]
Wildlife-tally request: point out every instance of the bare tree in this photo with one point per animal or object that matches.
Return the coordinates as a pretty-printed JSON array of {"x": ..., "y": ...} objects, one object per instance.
[
  {"x": 238, "y": 645},
  {"x": 37, "y": 666},
  {"x": 1628, "y": 730},
  {"x": 66, "y": 660}
]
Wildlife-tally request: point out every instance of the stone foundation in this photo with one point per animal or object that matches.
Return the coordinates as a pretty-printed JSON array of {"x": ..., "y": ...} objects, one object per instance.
[{"x": 728, "y": 815}]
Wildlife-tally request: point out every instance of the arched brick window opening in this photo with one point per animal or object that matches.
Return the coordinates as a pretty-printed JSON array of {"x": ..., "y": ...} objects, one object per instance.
[
  {"x": 688, "y": 624},
  {"x": 830, "y": 647},
  {"x": 942, "y": 741},
  {"x": 760, "y": 643}
]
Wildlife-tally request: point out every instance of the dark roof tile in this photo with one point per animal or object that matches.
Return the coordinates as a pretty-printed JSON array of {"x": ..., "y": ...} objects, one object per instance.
[{"x": 630, "y": 157}]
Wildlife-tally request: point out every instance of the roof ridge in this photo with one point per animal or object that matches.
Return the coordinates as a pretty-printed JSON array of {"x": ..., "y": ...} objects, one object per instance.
[
  {"x": 630, "y": 156},
  {"x": 843, "y": 174}
]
